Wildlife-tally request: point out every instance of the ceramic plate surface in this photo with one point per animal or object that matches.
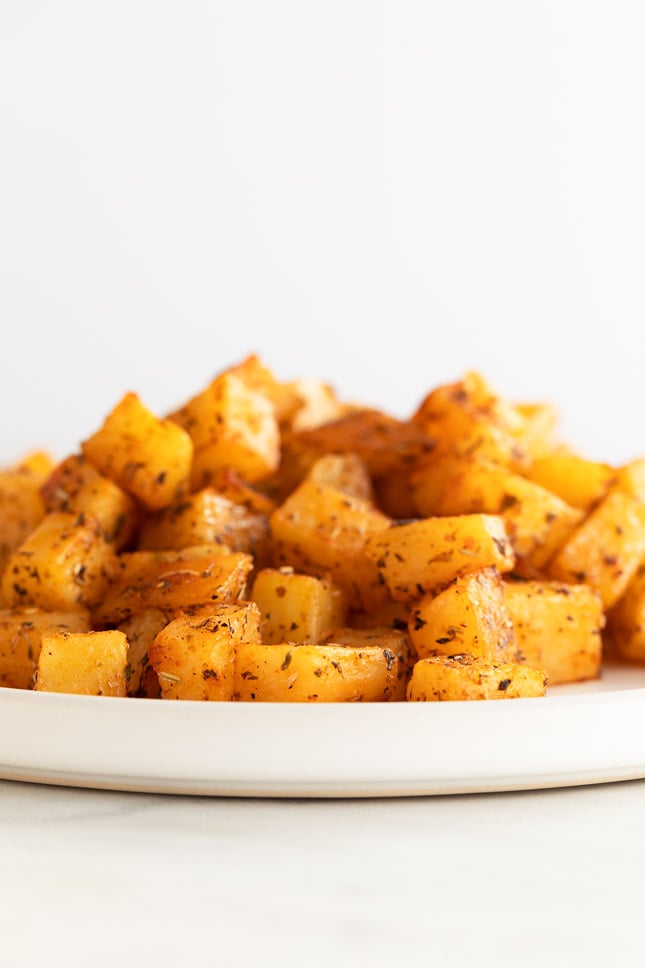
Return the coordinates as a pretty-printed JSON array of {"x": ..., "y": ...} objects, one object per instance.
[{"x": 588, "y": 733}]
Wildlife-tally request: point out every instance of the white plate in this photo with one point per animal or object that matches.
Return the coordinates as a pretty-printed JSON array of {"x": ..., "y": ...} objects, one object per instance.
[{"x": 588, "y": 733}]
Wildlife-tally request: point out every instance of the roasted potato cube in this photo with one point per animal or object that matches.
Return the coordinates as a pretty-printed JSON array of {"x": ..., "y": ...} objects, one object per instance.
[
  {"x": 394, "y": 640},
  {"x": 468, "y": 616},
  {"x": 20, "y": 633},
  {"x": 537, "y": 522},
  {"x": 231, "y": 426},
  {"x": 468, "y": 418},
  {"x": 417, "y": 558},
  {"x": 626, "y": 620},
  {"x": 429, "y": 480},
  {"x": 470, "y": 395},
  {"x": 631, "y": 478},
  {"x": 141, "y": 629},
  {"x": 88, "y": 663},
  {"x": 37, "y": 462},
  {"x": 579, "y": 482},
  {"x": 228, "y": 483},
  {"x": 76, "y": 486},
  {"x": 194, "y": 657},
  {"x": 313, "y": 404},
  {"x": 298, "y": 608},
  {"x": 461, "y": 677},
  {"x": 320, "y": 530},
  {"x": 21, "y": 509},
  {"x": 206, "y": 518},
  {"x": 388, "y": 614},
  {"x": 535, "y": 432},
  {"x": 283, "y": 396},
  {"x": 315, "y": 673},
  {"x": 146, "y": 456},
  {"x": 148, "y": 580},
  {"x": 344, "y": 472},
  {"x": 394, "y": 496},
  {"x": 557, "y": 628},
  {"x": 607, "y": 548},
  {"x": 63, "y": 565},
  {"x": 383, "y": 443}
]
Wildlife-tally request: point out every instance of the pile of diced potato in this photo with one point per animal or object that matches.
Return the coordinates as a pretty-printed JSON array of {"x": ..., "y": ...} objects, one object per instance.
[{"x": 268, "y": 542}]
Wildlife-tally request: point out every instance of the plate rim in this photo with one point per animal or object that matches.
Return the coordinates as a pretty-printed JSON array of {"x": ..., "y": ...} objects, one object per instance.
[{"x": 331, "y": 749}]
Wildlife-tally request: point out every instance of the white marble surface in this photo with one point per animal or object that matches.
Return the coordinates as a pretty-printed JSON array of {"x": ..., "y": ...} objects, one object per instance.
[{"x": 531, "y": 879}]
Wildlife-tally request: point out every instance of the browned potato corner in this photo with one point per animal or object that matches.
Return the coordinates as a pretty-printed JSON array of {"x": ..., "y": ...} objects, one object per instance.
[
  {"x": 88, "y": 663},
  {"x": 469, "y": 616},
  {"x": 465, "y": 677},
  {"x": 557, "y": 628},
  {"x": 416, "y": 558},
  {"x": 322, "y": 531},
  {"x": 148, "y": 457},
  {"x": 146, "y": 580},
  {"x": 63, "y": 565},
  {"x": 194, "y": 656},
  {"x": 292, "y": 672},
  {"x": 21, "y": 632},
  {"x": 206, "y": 518},
  {"x": 296, "y": 607}
]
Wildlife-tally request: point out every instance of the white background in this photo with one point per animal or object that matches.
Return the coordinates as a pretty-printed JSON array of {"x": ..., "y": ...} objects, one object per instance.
[{"x": 379, "y": 194}]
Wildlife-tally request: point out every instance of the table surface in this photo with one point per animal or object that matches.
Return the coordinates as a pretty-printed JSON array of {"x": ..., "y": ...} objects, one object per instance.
[{"x": 534, "y": 878}]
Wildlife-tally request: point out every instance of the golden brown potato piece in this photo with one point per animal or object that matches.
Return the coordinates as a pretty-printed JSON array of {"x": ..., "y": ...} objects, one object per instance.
[
  {"x": 389, "y": 614},
  {"x": 579, "y": 482},
  {"x": 471, "y": 395},
  {"x": 231, "y": 425},
  {"x": 298, "y": 608},
  {"x": 20, "y": 633},
  {"x": 468, "y": 616},
  {"x": 557, "y": 628},
  {"x": 258, "y": 377},
  {"x": 141, "y": 629},
  {"x": 37, "y": 462},
  {"x": 315, "y": 673},
  {"x": 607, "y": 548},
  {"x": 381, "y": 442},
  {"x": 88, "y": 663},
  {"x": 76, "y": 486},
  {"x": 626, "y": 620},
  {"x": 417, "y": 558},
  {"x": 153, "y": 580},
  {"x": 21, "y": 508},
  {"x": 463, "y": 677},
  {"x": 393, "y": 495},
  {"x": 63, "y": 565},
  {"x": 320, "y": 530},
  {"x": 194, "y": 657},
  {"x": 344, "y": 472},
  {"x": 631, "y": 478},
  {"x": 313, "y": 404},
  {"x": 535, "y": 432},
  {"x": 429, "y": 481},
  {"x": 469, "y": 418},
  {"x": 395, "y": 641},
  {"x": 206, "y": 518},
  {"x": 146, "y": 456},
  {"x": 228, "y": 483},
  {"x": 537, "y": 522}
]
